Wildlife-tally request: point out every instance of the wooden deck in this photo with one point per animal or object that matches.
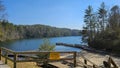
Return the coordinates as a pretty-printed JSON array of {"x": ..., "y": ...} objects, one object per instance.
[{"x": 2, "y": 65}]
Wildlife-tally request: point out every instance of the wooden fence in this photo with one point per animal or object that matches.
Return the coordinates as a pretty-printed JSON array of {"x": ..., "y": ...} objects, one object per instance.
[
  {"x": 30, "y": 56},
  {"x": 85, "y": 62},
  {"x": 107, "y": 64},
  {"x": 110, "y": 63},
  {"x": 16, "y": 57}
]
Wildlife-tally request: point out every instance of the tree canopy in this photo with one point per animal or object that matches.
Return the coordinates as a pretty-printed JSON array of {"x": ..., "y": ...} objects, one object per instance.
[
  {"x": 9, "y": 31},
  {"x": 102, "y": 28}
]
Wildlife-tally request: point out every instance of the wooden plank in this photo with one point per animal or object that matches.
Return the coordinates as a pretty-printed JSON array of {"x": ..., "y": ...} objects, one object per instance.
[
  {"x": 35, "y": 60},
  {"x": 7, "y": 58},
  {"x": 0, "y": 53},
  {"x": 74, "y": 58},
  {"x": 7, "y": 50},
  {"x": 94, "y": 66},
  {"x": 15, "y": 59},
  {"x": 28, "y": 52},
  {"x": 31, "y": 60},
  {"x": 85, "y": 62},
  {"x": 114, "y": 64}
]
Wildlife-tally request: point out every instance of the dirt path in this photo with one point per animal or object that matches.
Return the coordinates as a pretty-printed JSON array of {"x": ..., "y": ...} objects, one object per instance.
[{"x": 98, "y": 58}]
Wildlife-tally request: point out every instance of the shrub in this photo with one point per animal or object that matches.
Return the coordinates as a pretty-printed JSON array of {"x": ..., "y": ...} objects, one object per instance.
[{"x": 45, "y": 46}]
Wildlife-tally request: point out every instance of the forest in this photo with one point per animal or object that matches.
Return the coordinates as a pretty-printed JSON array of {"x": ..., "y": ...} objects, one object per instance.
[
  {"x": 9, "y": 31},
  {"x": 102, "y": 28}
]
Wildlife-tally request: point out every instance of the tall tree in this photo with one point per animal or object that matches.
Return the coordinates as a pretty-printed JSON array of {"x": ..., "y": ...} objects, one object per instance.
[
  {"x": 107, "y": 35},
  {"x": 89, "y": 20},
  {"x": 102, "y": 17},
  {"x": 114, "y": 17}
]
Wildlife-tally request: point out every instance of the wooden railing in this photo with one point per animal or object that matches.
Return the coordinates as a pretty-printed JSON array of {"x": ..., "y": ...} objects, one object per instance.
[
  {"x": 16, "y": 57},
  {"x": 110, "y": 63},
  {"x": 86, "y": 61},
  {"x": 106, "y": 64}
]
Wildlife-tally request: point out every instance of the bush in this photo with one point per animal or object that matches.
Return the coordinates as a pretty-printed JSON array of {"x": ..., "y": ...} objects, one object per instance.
[{"x": 45, "y": 46}]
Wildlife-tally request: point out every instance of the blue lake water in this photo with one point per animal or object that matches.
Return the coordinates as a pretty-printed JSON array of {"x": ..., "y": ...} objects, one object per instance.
[{"x": 33, "y": 44}]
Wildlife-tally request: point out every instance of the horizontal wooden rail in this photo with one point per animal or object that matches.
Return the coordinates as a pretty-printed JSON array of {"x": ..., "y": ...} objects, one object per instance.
[
  {"x": 7, "y": 57},
  {"x": 35, "y": 60},
  {"x": 30, "y": 55},
  {"x": 29, "y": 52},
  {"x": 7, "y": 50}
]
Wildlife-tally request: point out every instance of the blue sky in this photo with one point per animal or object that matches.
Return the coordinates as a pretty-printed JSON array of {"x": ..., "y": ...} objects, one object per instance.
[{"x": 58, "y": 13}]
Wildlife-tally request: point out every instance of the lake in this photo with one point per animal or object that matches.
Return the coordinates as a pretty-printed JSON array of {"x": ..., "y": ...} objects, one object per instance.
[{"x": 33, "y": 44}]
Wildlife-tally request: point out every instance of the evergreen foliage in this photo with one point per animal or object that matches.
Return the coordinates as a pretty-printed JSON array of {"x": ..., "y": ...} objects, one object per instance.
[
  {"x": 46, "y": 46},
  {"x": 102, "y": 28}
]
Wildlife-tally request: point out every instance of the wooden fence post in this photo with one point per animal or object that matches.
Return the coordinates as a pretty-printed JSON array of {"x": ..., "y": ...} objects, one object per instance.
[
  {"x": 113, "y": 63},
  {"x": 0, "y": 53},
  {"x": 109, "y": 62},
  {"x": 85, "y": 61},
  {"x": 94, "y": 66},
  {"x": 6, "y": 55},
  {"x": 74, "y": 59},
  {"x": 15, "y": 63}
]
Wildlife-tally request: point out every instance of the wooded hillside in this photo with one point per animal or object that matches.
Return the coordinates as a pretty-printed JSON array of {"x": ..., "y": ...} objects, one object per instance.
[{"x": 9, "y": 31}]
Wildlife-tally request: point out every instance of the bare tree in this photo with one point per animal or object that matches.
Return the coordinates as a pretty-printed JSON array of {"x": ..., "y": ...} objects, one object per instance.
[{"x": 3, "y": 14}]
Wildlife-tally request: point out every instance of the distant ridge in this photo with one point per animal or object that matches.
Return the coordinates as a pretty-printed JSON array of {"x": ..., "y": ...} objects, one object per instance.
[{"x": 9, "y": 31}]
